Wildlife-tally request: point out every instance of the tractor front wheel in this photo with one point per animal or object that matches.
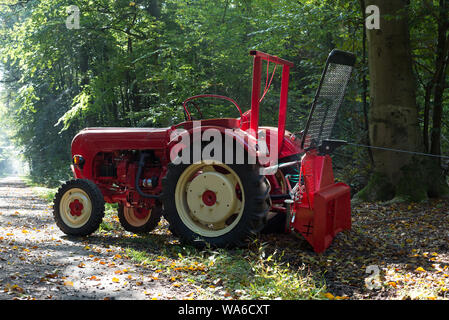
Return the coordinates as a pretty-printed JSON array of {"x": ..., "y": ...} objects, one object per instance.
[
  {"x": 78, "y": 207},
  {"x": 139, "y": 220},
  {"x": 215, "y": 203}
]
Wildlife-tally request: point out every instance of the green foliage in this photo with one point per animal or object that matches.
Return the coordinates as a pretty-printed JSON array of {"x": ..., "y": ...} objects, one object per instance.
[{"x": 133, "y": 63}]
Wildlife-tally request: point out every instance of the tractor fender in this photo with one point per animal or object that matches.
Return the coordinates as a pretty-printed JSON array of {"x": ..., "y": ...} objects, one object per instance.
[{"x": 291, "y": 144}]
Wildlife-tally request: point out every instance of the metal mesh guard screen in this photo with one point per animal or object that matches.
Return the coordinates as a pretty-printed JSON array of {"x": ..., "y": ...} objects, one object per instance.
[{"x": 326, "y": 105}]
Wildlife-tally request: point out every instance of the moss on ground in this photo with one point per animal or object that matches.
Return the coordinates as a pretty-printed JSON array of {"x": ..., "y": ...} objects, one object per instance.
[{"x": 378, "y": 188}]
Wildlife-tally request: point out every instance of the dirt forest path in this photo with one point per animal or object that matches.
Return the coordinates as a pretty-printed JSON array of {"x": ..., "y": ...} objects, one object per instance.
[
  {"x": 38, "y": 261},
  {"x": 408, "y": 243}
]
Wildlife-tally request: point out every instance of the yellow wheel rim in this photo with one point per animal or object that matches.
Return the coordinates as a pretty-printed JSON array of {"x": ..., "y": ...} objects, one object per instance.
[
  {"x": 134, "y": 219},
  {"x": 209, "y": 198},
  {"x": 75, "y": 208}
]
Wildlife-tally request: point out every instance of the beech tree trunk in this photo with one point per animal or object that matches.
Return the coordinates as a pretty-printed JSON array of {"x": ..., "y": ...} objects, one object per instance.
[{"x": 393, "y": 112}]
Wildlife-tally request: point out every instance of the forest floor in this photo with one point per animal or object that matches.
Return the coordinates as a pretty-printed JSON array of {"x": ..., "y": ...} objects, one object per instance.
[{"x": 394, "y": 251}]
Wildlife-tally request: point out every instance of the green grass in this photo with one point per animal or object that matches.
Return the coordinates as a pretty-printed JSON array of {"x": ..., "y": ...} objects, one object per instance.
[
  {"x": 240, "y": 273},
  {"x": 41, "y": 191},
  {"x": 109, "y": 215}
]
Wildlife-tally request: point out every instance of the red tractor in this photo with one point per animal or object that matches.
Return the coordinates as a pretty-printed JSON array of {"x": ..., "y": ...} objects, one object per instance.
[{"x": 222, "y": 200}]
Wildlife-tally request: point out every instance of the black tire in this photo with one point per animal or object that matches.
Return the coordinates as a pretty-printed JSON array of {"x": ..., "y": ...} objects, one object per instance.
[
  {"x": 146, "y": 226},
  {"x": 251, "y": 222},
  {"x": 91, "y": 221}
]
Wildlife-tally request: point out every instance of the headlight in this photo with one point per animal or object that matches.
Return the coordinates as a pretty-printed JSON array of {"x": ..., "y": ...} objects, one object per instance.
[{"x": 78, "y": 161}]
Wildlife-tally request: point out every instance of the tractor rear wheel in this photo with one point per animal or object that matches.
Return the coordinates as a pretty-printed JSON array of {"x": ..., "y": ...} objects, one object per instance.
[
  {"x": 139, "y": 220},
  {"x": 78, "y": 207},
  {"x": 215, "y": 203}
]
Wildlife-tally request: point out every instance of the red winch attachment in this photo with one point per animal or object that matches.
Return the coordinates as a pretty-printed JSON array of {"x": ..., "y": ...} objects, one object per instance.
[{"x": 322, "y": 208}]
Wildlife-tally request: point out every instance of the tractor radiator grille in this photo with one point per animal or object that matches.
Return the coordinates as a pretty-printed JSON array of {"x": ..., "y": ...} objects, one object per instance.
[{"x": 328, "y": 100}]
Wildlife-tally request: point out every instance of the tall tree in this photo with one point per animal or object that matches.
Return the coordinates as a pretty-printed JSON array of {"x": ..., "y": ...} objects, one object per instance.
[{"x": 394, "y": 111}]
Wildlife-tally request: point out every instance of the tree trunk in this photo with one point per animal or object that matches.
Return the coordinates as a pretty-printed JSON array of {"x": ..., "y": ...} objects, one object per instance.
[
  {"x": 428, "y": 93},
  {"x": 440, "y": 70},
  {"x": 153, "y": 8},
  {"x": 365, "y": 82},
  {"x": 393, "y": 110},
  {"x": 437, "y": 183},
  {"x": 84, "y": 65},
  {"x": 133, "y": 85}
]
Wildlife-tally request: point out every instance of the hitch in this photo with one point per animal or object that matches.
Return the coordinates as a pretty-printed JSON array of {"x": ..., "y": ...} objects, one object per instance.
[{"x": 328, "y": 146}]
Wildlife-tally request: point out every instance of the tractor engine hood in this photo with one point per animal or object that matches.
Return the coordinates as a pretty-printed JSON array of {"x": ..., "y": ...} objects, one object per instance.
[
  {"x": 91, "y": 141},
  {"x": 94, "y": 140}
]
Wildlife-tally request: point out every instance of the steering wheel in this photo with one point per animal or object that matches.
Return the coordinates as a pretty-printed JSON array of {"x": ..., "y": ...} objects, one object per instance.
[{"x": 186, "y": 110}]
